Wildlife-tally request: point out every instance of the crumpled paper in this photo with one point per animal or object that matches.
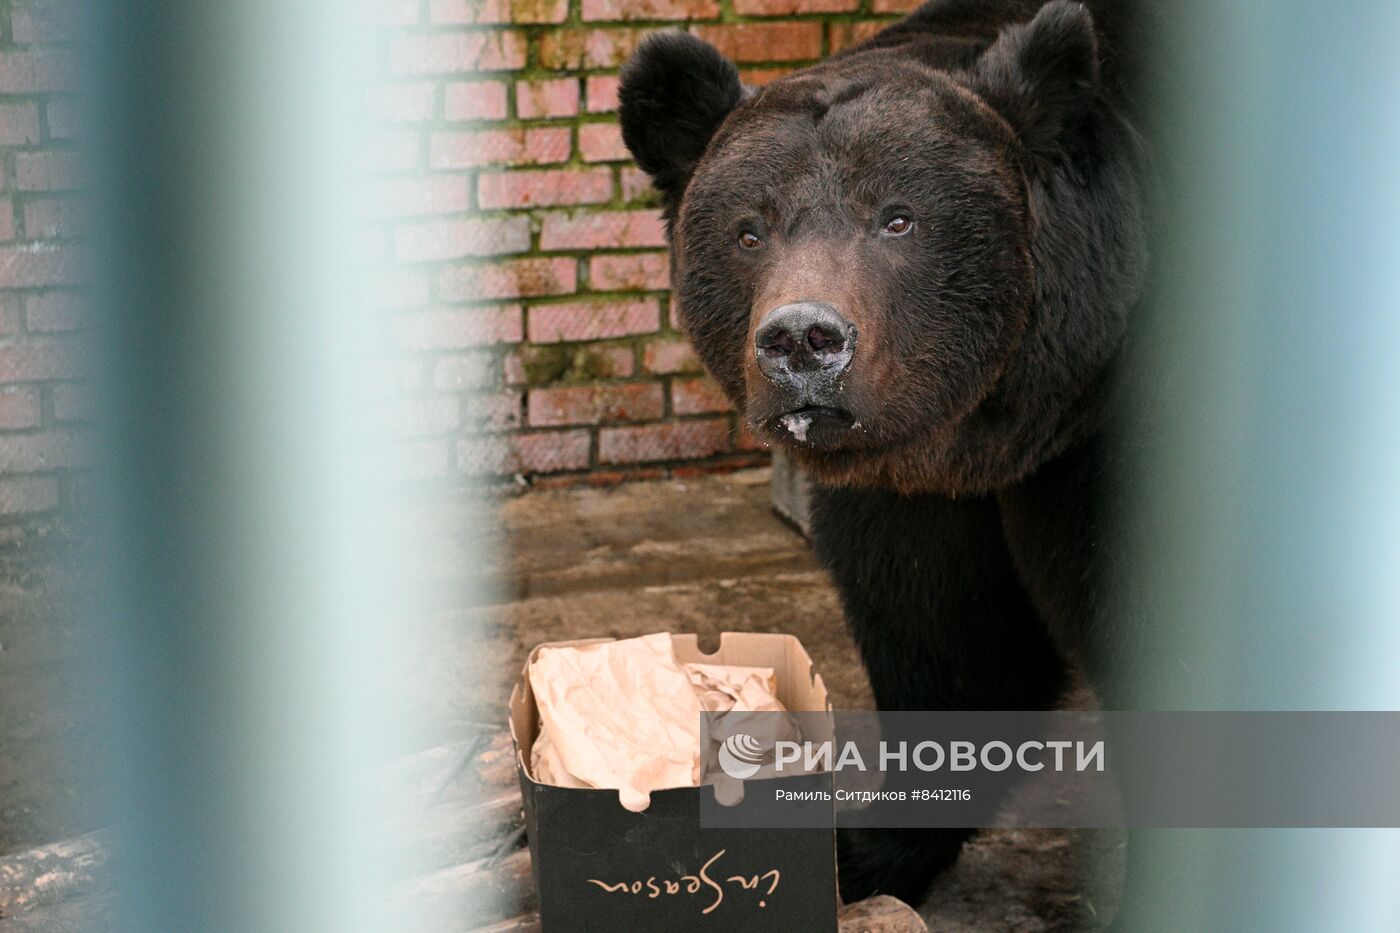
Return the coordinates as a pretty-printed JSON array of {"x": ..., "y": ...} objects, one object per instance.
[{"x": 626, "y": 715}]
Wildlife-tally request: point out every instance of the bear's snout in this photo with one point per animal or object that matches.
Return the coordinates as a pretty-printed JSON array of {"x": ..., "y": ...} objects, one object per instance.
[{"x": 802, "y": 347}]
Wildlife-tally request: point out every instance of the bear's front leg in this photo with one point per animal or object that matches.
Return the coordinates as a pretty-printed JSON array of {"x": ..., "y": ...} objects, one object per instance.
[{"x": 942, "y": 623}]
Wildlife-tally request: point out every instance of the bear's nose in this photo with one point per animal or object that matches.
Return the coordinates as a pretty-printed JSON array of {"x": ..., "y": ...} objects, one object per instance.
[{"x": 801, "y": 340}]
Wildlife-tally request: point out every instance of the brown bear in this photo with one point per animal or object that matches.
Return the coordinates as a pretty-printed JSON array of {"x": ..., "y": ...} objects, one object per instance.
[{"x": 914, "y": 266}]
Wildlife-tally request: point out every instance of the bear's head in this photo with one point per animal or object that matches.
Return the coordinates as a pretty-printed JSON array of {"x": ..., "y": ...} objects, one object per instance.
[{"x": 910, "y": 274}]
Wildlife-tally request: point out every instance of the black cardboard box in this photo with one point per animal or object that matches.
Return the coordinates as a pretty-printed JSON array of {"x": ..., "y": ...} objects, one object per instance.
[{"x": 599, "y": 867}]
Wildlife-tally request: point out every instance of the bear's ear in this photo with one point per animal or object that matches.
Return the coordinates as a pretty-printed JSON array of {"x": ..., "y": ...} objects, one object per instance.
[
  {"x": 674, "y": 92},
  {"x": 1043, "y": 76}
]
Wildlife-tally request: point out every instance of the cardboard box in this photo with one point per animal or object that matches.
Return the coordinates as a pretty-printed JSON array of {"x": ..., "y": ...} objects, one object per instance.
[{"x": 599, "y": 867}]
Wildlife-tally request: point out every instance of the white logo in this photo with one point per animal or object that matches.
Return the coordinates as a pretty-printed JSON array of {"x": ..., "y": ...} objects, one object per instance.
[{"x": 740, "y": 756}]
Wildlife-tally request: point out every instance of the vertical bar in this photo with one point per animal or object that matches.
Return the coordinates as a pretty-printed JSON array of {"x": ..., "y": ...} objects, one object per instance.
[{"x": 1266, "y": 554}]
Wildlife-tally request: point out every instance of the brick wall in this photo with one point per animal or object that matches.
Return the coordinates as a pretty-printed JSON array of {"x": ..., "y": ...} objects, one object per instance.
[
  {"x": 42, "y": 400},
  {"x": 531, "y": 260},
  {"x": 525, "y": 274}
]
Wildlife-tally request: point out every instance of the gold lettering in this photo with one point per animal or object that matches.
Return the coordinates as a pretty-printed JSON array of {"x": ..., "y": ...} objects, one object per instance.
[
  {"x": 610, "y": 888},
  {"x": 776, "y": 875},
  {"x": 719, "y": 892},
  {"x": 693, "y": 883}
]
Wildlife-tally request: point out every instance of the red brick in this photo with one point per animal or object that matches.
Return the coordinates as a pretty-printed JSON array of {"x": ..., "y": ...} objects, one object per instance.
[
  {"x": 42, "y": 21},
  {"x": 640, "y": 272},
  {"x": 416, "y": 197},
  {"x": 37, "y": 453},
  {"x": 19, "y": 408},
  {"x": 37, "y": 71},
  {"x": 7, "y": 220},
  {"x": 649, "y": 9},
  {"x": 572, "y": 49},
  {"x": 700, "y": 396},
  {"x": 744, "y": 439},
  {"x": 38, "y": 265},
  {"x": 400, "y": 101},
  {"x": 61, "y": 117},
  {"x": 517, "y": 146},
  {"x": 670, "y": 356},
  {"x": 407, "y": 461},
  {"x": 765, "y": 42},
  {"x": 556, "y": 97},
  {"x": 636, "y": 184},
  {"x": 28, "y": 495},
  {"x": 38, "y": 361},
  {"x": 435, "y": 240},
  {"x": 516, "y": 278},
  {"x": 895, "y": 6},
  {"x": 595, "y": 404},
  {"x": 546, "y": 364},
  {"x": 72, "y": 402},
  {"x": 602, "y": 142},
  {"x": 602, "y": 230},
  {"x": 391, "y": 151},
  {"x": 19, "y": 124},
  {"x": 48, "y": 312},
  {"x": 52, "y": 218},
  {"x": 789, "y": 7},
  {"x": 845, "y": 35},
  {"x": 46, "y": 171},
  {"x": 498, "y": 411},
  {"x": 11, "y": 322},
  {"x": 543, "y": 452},
  {"x": 457, "y": 52},
  {"x": 496, "y": 12},
  {"x": 454, "y": 328},
  {"x": 544, "y": 189},
  {"x": 593, "y": 320},
  {"x": 677, "y": 440},
  {"x": 601, "y": 91},
  {"x": 474, "y": 100},
  {"x": 464, "y": 371}
]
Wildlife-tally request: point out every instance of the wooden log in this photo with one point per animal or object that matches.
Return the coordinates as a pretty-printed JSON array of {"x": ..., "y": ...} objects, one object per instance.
[
  {"x": 529, "y": 923},
  {"x": 53, "y": 872},
  {"x": 880, "y": 914}
]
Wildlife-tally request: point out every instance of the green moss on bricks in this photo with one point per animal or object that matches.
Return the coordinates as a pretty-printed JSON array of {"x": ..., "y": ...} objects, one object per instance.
[
  {"x": 593, "y": 364},
  {"x": 544, "y": 364}
]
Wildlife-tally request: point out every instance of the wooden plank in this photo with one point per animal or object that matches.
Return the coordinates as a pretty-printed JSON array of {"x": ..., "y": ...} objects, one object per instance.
[{"x": 51, "y": 873}]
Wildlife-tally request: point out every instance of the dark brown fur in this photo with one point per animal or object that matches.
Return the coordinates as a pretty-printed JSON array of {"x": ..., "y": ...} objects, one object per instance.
[{"x": 962, "y": 474}]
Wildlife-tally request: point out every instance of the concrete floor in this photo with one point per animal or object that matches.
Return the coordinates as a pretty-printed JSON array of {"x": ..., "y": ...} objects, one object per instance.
[{"x": 704, "y": 555}]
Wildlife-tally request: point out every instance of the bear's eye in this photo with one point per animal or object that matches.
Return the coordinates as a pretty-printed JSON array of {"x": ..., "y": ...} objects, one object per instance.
[
  {"x": 898, "y": 226},
  {"x": 750, "y": 240}
]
